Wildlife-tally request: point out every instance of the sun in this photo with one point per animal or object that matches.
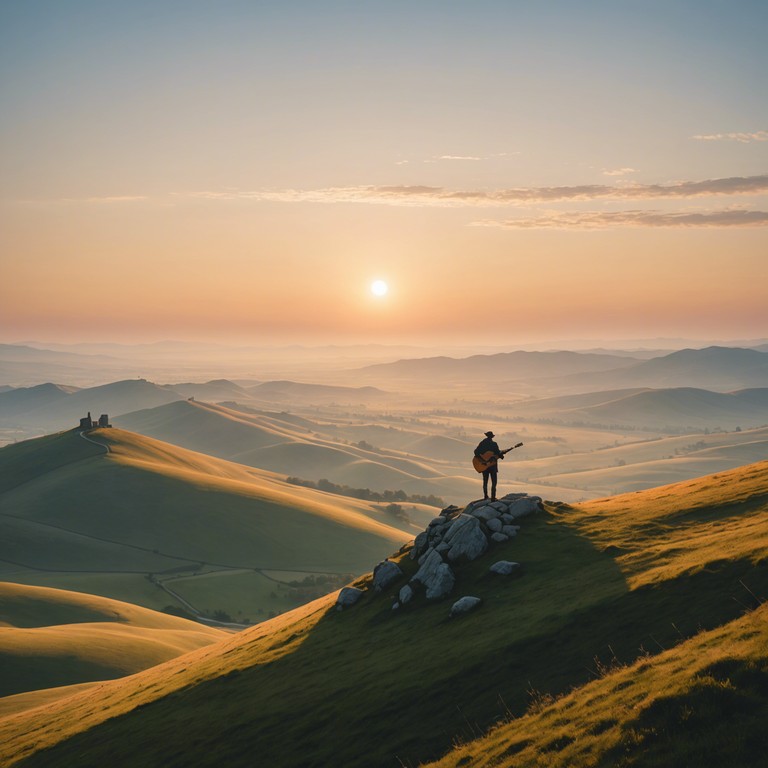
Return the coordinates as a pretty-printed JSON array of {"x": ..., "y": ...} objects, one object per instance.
[{"x": 379, "y": 288}]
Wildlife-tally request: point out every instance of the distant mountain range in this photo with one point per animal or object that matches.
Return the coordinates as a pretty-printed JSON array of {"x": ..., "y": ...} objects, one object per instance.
[
  {"x": 716, "y": 368},
  {"x": 52, "y": 407},
  {"x": 672, "y": 409}
]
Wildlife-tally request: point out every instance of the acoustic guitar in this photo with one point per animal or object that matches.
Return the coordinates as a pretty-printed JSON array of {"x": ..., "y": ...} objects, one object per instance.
[{"x": 489, "y": 458}]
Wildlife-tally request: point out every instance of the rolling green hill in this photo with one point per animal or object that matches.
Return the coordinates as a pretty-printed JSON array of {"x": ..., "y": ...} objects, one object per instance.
[
  {"x": 668, "y": 578},
  {"x": 275, "y": 444},
  {"x": 121, "y": 515},
  {"x": 51, "y": 638}
]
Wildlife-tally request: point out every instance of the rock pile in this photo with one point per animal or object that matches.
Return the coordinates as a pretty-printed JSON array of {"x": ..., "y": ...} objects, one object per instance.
[{"x": 455, "y": 536}]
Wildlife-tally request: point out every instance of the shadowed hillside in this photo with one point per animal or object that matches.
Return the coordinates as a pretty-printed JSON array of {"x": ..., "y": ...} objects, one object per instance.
[{"x": 603, "y": 584}]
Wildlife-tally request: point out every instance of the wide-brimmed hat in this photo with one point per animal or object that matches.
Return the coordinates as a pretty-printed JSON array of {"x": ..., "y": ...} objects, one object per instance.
[{"x": 489, "y": 434}]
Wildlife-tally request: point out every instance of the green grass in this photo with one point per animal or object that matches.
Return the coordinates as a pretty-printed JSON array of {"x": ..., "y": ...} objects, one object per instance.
[
  {"x": 604, "y": 583},
  {"x": 71, "y": 513}
]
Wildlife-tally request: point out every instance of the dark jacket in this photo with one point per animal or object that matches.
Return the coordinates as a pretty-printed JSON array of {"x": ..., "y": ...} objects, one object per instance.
[{"x": 488, "y": 444}]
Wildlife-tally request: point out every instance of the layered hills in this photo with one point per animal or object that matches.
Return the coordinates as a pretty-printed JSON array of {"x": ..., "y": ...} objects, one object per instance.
[
  {"x": 120, "y": 514},
  {"x": 637, "y": 626},
  {"x": 51, "y": 638}
]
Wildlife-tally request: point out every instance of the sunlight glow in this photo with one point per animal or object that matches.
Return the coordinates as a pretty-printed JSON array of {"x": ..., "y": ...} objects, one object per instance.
[{"x": 379, "y": 288}]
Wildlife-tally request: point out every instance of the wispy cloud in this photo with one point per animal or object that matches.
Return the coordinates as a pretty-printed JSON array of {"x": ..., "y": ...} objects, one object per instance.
[
  {"x": 422, "y": 195},
  {"x": 459, "y": 157},
  {"x": 593, "y": 220},
  {"x": 619, "y": 171},
  {"x": 744, "y": 138}
]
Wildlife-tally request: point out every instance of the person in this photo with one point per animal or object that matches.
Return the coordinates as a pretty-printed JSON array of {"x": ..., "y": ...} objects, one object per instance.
[{"x": 492, "y": 469}]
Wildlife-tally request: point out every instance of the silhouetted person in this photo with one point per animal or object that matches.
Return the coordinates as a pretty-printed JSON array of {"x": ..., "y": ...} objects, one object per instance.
[{"x": 484, "y": 447}]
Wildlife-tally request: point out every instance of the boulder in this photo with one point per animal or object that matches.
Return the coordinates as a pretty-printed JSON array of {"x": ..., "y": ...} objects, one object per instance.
[
  {"x": 486, "y": 512},
  {"x": 464, "y": 605},
  {"x": 449, "y": 511},
  {"x": 505, "y": 568},
  {"x": 466, "y": 539},
  {"x": 384, "y": 574},
  {"x": 437, "y": 521},
  {"x": 525, "y": 506},
  {"x": 435, "y": 575},
  {"x": 499, "y": 505},
  {"x": 406, "y": 594},
  {"x": 510, "y": 530},
  {"x": 499, "y": 538},
  {"x": 494, "y": 526},
  {"x": 419, "y": 545},
  {"x": 348, "y": 597}
]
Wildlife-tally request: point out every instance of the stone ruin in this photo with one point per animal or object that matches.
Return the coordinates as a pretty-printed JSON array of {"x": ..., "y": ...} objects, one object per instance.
[{"x": 453, "y": 537}]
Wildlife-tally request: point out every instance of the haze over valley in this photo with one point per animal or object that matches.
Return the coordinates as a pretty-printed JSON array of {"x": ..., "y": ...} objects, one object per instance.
[{"x": 383, "y": 385}]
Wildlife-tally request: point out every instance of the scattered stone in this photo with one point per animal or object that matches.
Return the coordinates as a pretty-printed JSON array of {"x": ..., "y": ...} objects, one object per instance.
[
  {"x": 406, "y": 593},
  {"x": 494, "y": 526},
  {"x": 348, "y": 597},
  {"x": 510, "y": 530},
  {"x": 505, "y": 568},
  {"x": 384, "y": 574},
  {"x": 464, "y": 605},
  {"x": 499, "y": 538}
]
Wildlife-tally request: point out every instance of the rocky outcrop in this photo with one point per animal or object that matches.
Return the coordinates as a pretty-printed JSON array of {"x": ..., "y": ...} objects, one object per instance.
[{"x": 453, "y": 537}]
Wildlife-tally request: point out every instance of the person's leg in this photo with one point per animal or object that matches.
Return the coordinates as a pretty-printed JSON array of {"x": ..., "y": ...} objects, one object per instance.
[
  {"x": 486, "y": 473},
  {"x": 494, "y": 481}
]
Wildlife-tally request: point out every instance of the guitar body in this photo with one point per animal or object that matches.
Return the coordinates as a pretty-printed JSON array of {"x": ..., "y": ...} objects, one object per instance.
[{"x": 489, "y": 459}]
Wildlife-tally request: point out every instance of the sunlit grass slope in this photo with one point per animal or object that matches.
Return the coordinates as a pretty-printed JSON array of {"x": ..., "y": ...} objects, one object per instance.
[
  {"x": 51, "y": 637},
  {"x": 608, "y": 580},
  {"x": 269, "y": 442},
  {"x": 703, "y": 703},
  {"x": 69, "y": 506}
]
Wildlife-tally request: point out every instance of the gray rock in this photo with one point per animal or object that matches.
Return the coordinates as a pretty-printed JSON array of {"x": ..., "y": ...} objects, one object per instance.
[
  {"x": 348, "y": 597},
  {"x": 437, "y": 521},
  {"x": 435, "y": 575},
  {"x": 384, "y": 574},
  {"x": 442, "y": 583},
  {"x": 499, "y": 538},
  {"x": 494, "y": 526},
  {"x": 406, "y": 593},
  {"x": 507, "y": 519},
  {"x": 510, "y": 530},
  {"x": 442, "y": 547},
  {"x": 465, "y": 538},
  {"x": 395, "y": 606},
  {"x": 525, "y": 506},
  {"x": 424, "y": 557},
  {"x": 464, "y": 605},
  {"x": 486, "y": 512},
  {"x": 449, "y": 511},
  {"x": 505, "y": 568},
  {"x": 500, "y": 505},
  {"x": 419, "y": 545}
]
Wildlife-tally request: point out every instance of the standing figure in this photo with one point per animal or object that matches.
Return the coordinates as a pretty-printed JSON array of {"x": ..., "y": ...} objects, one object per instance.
[{"x": 487, "y": 451}]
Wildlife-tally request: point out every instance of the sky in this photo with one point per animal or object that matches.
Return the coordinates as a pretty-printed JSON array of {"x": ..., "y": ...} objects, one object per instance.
[{"x": 243, "y": 171}]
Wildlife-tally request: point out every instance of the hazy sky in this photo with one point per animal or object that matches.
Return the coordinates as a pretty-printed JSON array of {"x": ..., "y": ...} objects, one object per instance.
[{"x": 515, "y": 171}]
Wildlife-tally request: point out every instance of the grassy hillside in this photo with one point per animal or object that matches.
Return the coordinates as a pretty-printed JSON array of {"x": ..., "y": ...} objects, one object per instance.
[
  {"x": 73, "y": 515},
  {"x": 278, "y": 445},
  {"x": 51, "y": 638},
  {"x": 604, "y": 583}
]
